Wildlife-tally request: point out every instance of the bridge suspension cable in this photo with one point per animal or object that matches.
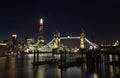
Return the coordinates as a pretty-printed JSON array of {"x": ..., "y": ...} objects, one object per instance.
[{"x": 91, "y": 43}]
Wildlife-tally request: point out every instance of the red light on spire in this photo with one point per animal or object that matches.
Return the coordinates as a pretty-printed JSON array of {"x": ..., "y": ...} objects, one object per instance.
[{"x": 41, "y": 22}]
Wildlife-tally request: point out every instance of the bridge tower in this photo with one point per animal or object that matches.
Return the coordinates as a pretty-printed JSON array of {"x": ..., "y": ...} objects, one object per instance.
[
  {"x": 82, "y": 41},
  {"x": 41, "y": 34},
  {"x": 56, "y": 42}
]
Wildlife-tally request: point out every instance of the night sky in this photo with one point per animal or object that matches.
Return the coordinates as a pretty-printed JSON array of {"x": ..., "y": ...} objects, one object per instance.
[{"x": 100, "y": 20}]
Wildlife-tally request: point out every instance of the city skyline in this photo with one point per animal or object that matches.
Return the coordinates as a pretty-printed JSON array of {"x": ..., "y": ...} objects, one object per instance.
[{"x": 100, "y": 20}]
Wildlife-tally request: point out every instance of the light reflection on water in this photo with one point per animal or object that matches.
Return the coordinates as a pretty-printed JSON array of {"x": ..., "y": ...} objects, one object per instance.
[
  {"x": 12, "y": 68},
  {"x": 21, "y": 67}
]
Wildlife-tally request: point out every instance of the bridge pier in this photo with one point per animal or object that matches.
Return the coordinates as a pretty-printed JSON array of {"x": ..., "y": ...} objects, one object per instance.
[
  {"x": 35, "y": 58},
  {"x": 110, "y": 57}
]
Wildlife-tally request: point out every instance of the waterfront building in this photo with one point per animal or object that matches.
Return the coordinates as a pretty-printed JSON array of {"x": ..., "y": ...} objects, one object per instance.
[
  {"x": 28, "y": 46},
  {"x": 3, "y": 48},
  {"x": 29, "y": 40}
]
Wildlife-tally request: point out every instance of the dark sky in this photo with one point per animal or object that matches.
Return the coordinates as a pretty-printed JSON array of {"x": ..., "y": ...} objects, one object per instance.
[{"x": 99, "y": 19}]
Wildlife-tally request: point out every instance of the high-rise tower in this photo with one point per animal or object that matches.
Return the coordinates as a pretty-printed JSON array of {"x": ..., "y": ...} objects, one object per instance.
[{"x": 41, "y": 33}]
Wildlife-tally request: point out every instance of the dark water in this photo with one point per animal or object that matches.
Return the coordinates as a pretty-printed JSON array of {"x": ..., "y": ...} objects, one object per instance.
[{"x": 21, "y": 67}]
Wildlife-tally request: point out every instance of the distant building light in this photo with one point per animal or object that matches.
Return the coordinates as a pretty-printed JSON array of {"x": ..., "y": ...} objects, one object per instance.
[
  {"x": 14, "y": 35},
  {"x": 3, "y": 44}
]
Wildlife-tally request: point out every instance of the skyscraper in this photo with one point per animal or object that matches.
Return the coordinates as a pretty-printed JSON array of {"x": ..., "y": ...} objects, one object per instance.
[{"x": 41, "y": 33}]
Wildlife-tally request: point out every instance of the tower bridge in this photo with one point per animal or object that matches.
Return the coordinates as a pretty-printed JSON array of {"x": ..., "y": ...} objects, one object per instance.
[{"x": 55, "y": 43}]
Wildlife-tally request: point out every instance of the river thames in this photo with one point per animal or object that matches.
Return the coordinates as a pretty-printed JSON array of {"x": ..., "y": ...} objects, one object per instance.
[{"x": 21, "y": 67}]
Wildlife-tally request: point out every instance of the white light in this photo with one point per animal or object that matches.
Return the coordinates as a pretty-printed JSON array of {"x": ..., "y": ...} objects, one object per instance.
[
  {"x": 68, "y": 36},
  {"x": 41, "y": 21}
]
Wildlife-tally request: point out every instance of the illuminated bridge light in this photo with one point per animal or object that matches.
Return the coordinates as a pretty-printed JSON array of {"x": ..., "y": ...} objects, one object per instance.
[{"x": 68, "y": 36}]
